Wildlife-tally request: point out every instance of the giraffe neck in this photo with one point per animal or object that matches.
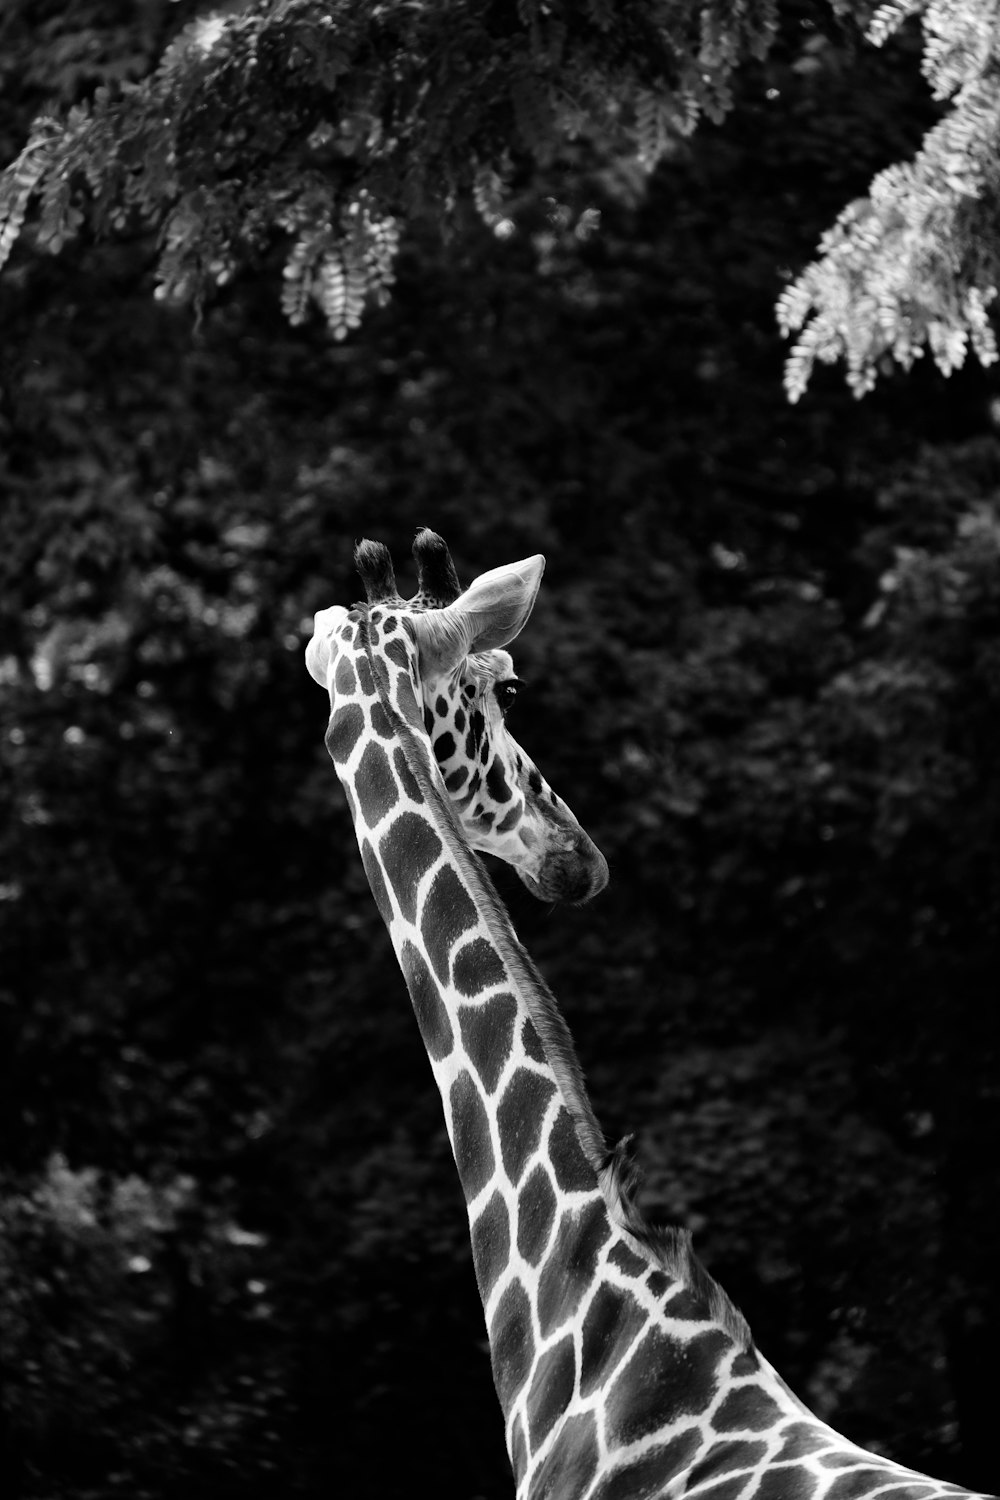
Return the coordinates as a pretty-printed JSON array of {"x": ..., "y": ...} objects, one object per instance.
[
  {"x": 452, "y": 922},
  {"x": 623, "y": 1371},
  {"x": 572, "y": 1282},
  {"x": 484, "y": 1012}
]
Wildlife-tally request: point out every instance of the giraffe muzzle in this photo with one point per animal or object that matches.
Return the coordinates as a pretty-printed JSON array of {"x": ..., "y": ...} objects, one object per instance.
[{"x": 574, "y": 874}]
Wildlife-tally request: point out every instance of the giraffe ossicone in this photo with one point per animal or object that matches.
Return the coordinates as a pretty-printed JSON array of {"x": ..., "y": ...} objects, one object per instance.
[{"x": 622, "y": 1369}]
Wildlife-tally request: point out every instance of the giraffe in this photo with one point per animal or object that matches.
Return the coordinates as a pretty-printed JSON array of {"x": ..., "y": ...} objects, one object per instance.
[{"x": 622, "y": 1369}]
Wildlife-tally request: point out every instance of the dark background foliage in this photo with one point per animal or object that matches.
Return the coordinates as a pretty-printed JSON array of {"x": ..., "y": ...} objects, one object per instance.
[{"x": 764, "y": 669}]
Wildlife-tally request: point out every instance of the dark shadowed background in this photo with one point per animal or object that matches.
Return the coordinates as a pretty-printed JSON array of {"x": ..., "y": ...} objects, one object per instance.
[{"x": 764, "y": 669}]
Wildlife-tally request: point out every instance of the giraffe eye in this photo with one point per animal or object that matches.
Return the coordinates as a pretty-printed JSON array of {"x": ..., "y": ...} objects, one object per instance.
[{"x": 505, "y": 692}]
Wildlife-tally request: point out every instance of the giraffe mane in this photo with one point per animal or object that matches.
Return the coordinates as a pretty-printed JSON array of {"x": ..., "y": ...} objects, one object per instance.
[{"x": 669, "y": 1247}]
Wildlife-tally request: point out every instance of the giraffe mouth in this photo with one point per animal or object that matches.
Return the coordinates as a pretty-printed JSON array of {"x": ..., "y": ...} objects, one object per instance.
[{"x": 569, "y": 875}]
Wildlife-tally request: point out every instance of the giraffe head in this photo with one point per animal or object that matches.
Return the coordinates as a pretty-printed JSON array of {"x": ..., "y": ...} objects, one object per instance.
[{"x": 437, "y": 663}]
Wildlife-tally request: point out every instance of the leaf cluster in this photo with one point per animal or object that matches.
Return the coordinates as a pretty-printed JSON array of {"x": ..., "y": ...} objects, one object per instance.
[
  {"x": 326, "y": 125},
  {"x": 914, "y": 266}
]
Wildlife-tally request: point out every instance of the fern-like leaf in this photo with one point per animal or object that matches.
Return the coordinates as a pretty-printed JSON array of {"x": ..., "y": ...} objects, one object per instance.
[
  {"x": 299, "y": 273},
  {"x": 331, "y": 291},
  {"x": 23, "y": 178}
]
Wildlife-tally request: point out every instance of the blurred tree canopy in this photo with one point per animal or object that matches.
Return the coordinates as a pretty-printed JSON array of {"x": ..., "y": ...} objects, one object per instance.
[{"x": 764, "y": 669}]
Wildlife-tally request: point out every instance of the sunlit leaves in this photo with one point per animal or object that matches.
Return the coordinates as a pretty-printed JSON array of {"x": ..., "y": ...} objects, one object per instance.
[
  {"x": 340, "y": 269},
  {"x": 916, "y": 265},
  {"x": 22, "y": 179}
]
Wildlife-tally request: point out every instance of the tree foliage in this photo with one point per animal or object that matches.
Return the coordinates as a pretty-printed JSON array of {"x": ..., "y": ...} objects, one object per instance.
[
  {"x": 915, "y": 264},
  {"x": 323, "y": 124},
  {"x": 317, "y": 129}
]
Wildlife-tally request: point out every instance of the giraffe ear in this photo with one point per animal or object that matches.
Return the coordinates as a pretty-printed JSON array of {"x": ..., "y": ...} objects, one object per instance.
[
  {"x": 322, "y": 647},
  {"x": 491, "y": 612},
  {"x": 498, "y": 604}
]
